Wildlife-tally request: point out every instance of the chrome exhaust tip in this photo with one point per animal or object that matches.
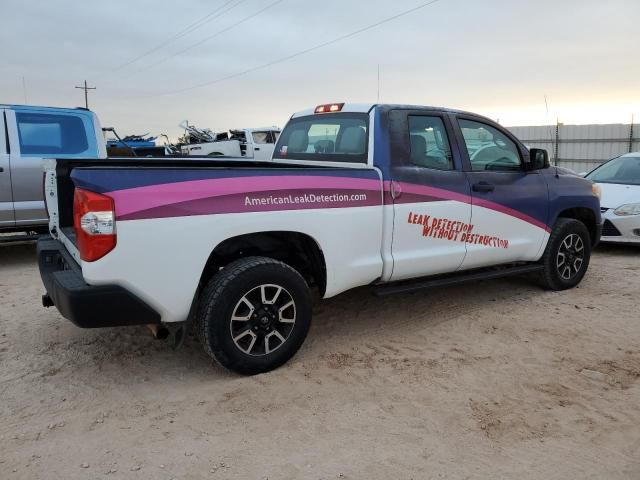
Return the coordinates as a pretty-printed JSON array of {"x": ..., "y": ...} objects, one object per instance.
[{"x": 159, "y": 332}]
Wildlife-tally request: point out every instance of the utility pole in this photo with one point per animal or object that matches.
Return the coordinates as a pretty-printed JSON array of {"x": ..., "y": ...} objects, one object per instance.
[
  {"x": 555, "y": 150},
  {"x": 631, "y": 135},
  {"x": 24, "y": 90},
  {"x": 86, "y": 96}
]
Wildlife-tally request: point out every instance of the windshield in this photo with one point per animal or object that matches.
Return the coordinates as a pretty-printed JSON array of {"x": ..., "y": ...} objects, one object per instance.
[
  {"x": 625, "y": 170},
  {"x": 340, "y": 137}
]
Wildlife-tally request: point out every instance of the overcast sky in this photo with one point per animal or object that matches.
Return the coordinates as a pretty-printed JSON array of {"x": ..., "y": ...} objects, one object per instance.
[{"x": 495, "y": 57}]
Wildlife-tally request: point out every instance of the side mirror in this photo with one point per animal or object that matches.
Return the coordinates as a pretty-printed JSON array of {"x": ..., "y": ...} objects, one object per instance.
[{"x": 538, "y": 159}]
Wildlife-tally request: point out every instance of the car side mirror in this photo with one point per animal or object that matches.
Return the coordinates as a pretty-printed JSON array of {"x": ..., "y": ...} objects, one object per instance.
[{"x": 538, "y": 159}]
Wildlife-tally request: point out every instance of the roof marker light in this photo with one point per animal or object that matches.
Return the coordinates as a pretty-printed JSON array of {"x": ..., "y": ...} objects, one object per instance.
[{"x": 329, "y": 107}]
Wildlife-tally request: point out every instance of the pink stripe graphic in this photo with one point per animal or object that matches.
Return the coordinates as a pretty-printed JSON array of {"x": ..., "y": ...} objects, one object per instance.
[
  {"x": 266, "y": 201},
  {"x": 437, "y": 193},
  {"x": 442, "y": 194},
  {"x": 510, "y": 211},
  {"x": 198, "y": 197},
  {"x": 137, "y": 199}
]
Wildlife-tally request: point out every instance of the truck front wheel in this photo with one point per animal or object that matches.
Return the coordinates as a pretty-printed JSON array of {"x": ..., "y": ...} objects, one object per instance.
[
  {"x": 254, "y": 315},
  {"x": 567, "y": 255}
]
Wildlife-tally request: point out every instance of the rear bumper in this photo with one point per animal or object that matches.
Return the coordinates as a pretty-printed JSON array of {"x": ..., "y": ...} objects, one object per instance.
[{"x": 87, "y": 306}]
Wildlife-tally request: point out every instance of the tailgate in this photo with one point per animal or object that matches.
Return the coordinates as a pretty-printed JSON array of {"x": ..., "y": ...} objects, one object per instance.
[{"x": 58, "y": 195}]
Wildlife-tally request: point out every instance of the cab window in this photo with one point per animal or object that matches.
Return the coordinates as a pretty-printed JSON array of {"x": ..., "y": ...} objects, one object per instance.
[
  {"x": 49, "y": 134},
  {"x": 263, "y": 137},
  {"x": 340, "y": 137},
  {"x": 429, "y": 144},
  {"x": 488, "y": 148}
]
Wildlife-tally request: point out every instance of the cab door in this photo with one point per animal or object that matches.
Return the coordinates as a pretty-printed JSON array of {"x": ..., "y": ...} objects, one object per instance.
[
  {"x": 262, "y": 144},
  {"x": 430, "y": 195},
  {"x": 509, "y": 204},
  {"x": 6, "y": 197},
  {"x": 26, "y": 163}
]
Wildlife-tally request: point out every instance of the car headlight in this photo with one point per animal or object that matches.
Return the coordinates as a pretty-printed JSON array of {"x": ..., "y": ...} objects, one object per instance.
[
  {"x": 597, "y": 191},
  {"x": 628, "y": 209}
]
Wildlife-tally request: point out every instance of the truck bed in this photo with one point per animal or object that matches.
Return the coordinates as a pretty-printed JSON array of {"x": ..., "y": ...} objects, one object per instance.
[
  {"x": 180, "y": 161},
  {"x": 65, "y": 186}
]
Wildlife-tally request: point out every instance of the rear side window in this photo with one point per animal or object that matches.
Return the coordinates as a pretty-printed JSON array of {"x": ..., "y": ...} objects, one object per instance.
[
  {"x": 341, "y": 137},
  {"x": 429, "y": 143},
  {"x": 51, "y": 134}
]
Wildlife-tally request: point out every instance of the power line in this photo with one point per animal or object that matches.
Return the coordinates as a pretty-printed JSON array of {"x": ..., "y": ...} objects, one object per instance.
[
  {"x": 206, "y": 39},
  {"x": 217, "y": 13},
  {"x": 210, "y": 16},
  {"x": 301, "y": 52}
]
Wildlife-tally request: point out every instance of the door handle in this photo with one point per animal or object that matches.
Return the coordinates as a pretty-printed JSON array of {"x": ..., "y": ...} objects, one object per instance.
[
  {"x": 256, "y": 149},
  {"x": 483, "y": 187},
  {"x": 395, "y": 190},
  {"x": 1, "y": 169}
]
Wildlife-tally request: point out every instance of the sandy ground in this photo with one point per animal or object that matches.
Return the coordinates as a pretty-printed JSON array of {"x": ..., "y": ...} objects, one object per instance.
[{"x": 493, "y": 380}]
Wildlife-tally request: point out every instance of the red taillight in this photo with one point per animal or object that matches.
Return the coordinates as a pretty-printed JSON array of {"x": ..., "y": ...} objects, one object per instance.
[
  {"x": 329, "y": 108},
  {"x": 94, "y": 223}
]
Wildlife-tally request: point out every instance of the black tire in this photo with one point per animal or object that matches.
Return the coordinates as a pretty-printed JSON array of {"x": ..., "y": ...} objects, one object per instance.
[
  {"x": 561, "y": 270},
  {"x": 231, "y": 342}
]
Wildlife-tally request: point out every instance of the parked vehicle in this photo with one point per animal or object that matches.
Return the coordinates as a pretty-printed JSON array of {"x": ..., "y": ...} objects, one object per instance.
[
  {"x": 132, "y": 141},
  {"x": 256, "y": 143},
  {"x": 619, "y": 180},
  {"x": 394, "y": 197},
  {"x": 27, "y": 135},
  {"x": 135, "y": 146},
  {"x": 142, "y": 148}
]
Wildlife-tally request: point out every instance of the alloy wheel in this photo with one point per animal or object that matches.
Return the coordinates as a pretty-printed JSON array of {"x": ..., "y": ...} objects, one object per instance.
[
  {"x": 570, "y": 256},
  {"x": 263, "y": 319}
]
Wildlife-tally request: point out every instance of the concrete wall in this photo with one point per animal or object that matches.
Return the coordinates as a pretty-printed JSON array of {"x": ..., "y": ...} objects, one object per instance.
[{"x": 581, "y": 147}]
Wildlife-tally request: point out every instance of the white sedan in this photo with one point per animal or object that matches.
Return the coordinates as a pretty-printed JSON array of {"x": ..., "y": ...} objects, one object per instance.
[{"x": 619, "y": 180}]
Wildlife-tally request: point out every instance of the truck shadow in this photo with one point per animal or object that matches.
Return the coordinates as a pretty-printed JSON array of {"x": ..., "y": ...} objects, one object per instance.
[
  {"x": 124, "y": 354},
  {"x": 16, "y": 254},
  {"x": 618, "y": 250}
]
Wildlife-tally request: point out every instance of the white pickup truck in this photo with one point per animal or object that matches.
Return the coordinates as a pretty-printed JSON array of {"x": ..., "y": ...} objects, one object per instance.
[
  {"x": 392, "y": 196},
  {"x": 249, "y": 143}
]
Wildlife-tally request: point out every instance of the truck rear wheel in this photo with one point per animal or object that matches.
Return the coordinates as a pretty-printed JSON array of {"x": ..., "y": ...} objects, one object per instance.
[
  {"x": 254, "y": 315},
  {"x": 567, "y": 255}
]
